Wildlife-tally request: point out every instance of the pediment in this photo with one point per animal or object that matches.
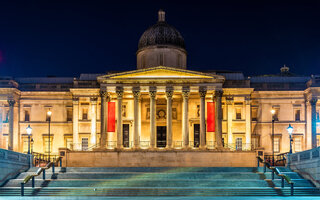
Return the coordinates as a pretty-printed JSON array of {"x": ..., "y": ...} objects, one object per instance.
[{"x": 160, "y": 73}]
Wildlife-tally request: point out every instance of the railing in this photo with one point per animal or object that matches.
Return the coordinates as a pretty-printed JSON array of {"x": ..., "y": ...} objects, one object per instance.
[
  {"x": 279, "y": 159},
  {"x": 38, "y": 172},
  {"x": 276, "y": 171},
  {"x": 238, "y": 146}
]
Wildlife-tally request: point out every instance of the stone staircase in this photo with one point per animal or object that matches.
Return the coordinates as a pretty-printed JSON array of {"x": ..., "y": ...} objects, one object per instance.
[{"x": 162, "y": 181}]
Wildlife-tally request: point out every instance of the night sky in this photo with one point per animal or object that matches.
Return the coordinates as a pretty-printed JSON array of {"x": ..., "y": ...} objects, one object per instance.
[{"x": 66, "y": 38}]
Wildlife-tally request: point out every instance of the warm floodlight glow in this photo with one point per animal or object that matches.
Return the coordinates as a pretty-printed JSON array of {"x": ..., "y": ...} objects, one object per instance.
[
  {"x": 273, "y": 111},
  {"x": 29, "y": 130},
  {"x": 290, "y": 129},
  {"x": 49, "y": 113}
]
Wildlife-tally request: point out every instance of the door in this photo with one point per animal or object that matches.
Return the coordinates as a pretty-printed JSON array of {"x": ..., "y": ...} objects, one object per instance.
[
  {"x": 196, "y": 135},
  {"x": 161, "y": 136},
  {"x": 125, "y": 135}
]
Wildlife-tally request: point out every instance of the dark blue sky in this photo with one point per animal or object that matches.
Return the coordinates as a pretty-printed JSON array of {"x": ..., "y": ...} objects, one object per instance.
[{"x": 66, "y": 38}]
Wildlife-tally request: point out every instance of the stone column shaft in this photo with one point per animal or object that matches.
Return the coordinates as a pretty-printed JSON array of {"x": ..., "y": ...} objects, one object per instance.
[
  {"x": 169, "y": 94},
  {"x": 103, "y": 119},
  {"x": 313, "y": 103},
  {"x": 11, "y": 103},
  {"x": 248, "y": 123},
  {"x": 75, "y": 123},
  {"x": 218, "y": 133},
  {"x": 93, "y": 120},
  {"x": 185, "y": 119},
  {"x": 119, "y": 92},
  {"x": 152, "y": 93},
  {"x": 203, "y": 93},
  {"x": 136, "y": 95},
  {"x": 230, "y": 116}
]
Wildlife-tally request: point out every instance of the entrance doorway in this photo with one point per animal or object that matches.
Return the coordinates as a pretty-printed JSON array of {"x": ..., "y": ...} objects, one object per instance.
[
  {"x": 196, "y": 135},
  {"x": 161, "y": 136},
  {"x": 125, "y": 135}
]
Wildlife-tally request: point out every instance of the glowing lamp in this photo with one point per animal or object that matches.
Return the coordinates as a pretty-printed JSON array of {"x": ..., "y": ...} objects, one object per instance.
[
  {"x": 290, "y": 129},
  {"x": 29, "y": 130},
  {"x": 49, "y": 113},
  {"x": 273, "y": 111}
]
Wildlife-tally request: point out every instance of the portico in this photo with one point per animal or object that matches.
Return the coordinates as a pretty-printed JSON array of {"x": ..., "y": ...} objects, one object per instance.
[{"x": 148, "y": 99}]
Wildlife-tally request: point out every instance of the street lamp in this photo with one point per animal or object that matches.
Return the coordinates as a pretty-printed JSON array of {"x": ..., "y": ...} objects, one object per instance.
[
  {"x": 49, "y": 113},
  {"x": 29, "y": 131},
  {"x": 290, "y": 130},
  {"x": 32, "y": 145},
  {"x": 273, "y": 112}
]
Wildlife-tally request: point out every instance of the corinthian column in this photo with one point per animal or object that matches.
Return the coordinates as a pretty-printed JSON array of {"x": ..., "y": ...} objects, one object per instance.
[
  {"x": 136, "y": 95},
  {"x": 103, "y": 119},
  {"x": 119, "y": 91},
  {"x": 152, "y": 93},
  {"x": 313, "y": 103},
  {"x": 185, "y": 119},
  {"x": 202, "y": 92},
  {"x": 11, "y": 103},
  {"x": 75, "y": 122},
  {"x": 218, "y": 133},
  {"x": 93, "y": 120},
  {"x": 248, "y": 123},
  {"x": 169, "y": 94},
  {"x": 229, "y": 101}
]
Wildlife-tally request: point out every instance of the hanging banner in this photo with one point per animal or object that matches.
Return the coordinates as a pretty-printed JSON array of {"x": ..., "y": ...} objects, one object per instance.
[
  {"x": 211, "y": 117},
  {"x": 111, "y": 117}
]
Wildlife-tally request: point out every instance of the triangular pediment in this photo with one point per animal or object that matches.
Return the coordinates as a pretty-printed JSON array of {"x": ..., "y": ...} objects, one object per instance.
[{"x": 160, "y": 73}]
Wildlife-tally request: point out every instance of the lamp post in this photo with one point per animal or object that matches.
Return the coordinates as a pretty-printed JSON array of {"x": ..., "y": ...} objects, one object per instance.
[
  {"x": 49, "y": 113},
  {"x": 32, "y": 145},
  {"x": 29, "y": 131},
  {"x": 290, "y": 130},
  {"x": 273, "y": 112}
]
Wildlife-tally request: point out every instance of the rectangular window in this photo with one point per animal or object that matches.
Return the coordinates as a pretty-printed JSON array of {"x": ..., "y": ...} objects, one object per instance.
[
  {"x": 25, "y": 144},
  {"x": 238, "y": 143},
  {"x": 46, "y": 144},
  {"x": 297, "y": 115},
  {"x": 85, "y": 114},
  {"x": 69, "y": 114},
  {"x": 26, "y": 116},
  {"x": 84, "y": 144},
  {"x": 254, "y": 114},
  {"x": 238, "y": 113},
  {"x": 297, "y": 144},
  {"x": 276, "y": 114},
  {"x": 276, "y": 143},
  {"x": 255, "y": 142}
]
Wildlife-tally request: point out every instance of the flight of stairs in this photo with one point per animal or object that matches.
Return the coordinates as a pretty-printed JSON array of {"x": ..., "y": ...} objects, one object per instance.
[{"x": 162, "y": 181}]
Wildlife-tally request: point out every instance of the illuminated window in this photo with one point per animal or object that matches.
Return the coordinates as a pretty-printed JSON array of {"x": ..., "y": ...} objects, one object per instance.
[
  {"x": 85, "y": 114},
  {"x": 238, "y": 113},
  {"x": 238, "y": 143},
  {"x": 297, "y": 115},
  {"x": 276, "y": 144},
  {"x": 297, "y": 144},
  {"x": 46, "y": 144},
  {"x": 26, "y": 116},
  {"x": 84, "y": 144}
]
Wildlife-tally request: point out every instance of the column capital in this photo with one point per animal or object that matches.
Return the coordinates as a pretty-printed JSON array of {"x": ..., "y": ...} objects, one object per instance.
[
  {"x": 218, "y": 93},
  {"x": 229, "y": 100},
  {"x": 11, "y": 102},
  {"x": 152, "y": 91},
  {"x": 119, "y": 92},
  {"x": 185, "y": 92},
  {"x": 313, "y": 101},
  {"x": 136, "y": 92},
  {"x": 169, "y": 92},
  {"x": 75, "y": 99},
  {"x": 103, "y": 93},
  {"x": 203, "y": 91},
  {"x": 93, "y": 99}
]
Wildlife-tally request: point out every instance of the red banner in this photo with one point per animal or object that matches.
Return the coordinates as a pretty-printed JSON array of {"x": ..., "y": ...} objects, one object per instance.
[
  {"x": 111, "y": 117},
  {"x": 211, "y": 117}
]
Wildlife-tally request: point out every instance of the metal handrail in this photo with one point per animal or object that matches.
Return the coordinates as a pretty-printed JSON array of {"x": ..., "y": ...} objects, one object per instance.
[
  {"x": 38, "y": 172},
  {"x": 276, "y": 171}
]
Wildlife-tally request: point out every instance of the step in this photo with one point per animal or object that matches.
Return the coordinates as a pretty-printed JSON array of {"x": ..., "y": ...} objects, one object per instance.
[{"x": 168, "y": 191}]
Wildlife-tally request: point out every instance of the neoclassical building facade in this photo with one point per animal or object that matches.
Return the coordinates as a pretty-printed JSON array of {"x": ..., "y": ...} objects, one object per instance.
[{"x": 160, "y": 106}]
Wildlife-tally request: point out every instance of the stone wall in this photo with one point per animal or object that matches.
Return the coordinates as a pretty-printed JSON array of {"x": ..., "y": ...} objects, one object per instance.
[
  {"x": 307, "y": 163},
  {"x": 11, "y": 164},
  {"x": 159, "y": 159}
]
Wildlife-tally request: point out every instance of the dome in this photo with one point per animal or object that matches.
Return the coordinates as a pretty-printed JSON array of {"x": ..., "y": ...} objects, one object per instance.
[{"x": 161, "y": 34}]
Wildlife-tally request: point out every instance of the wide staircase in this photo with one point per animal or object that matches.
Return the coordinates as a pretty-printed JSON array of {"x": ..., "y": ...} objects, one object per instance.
[{"x": 162, "y": 181}]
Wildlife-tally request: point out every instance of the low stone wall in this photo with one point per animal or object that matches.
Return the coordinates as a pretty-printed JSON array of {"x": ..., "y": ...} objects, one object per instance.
[
  {"x": 11, "y": 164},
  {"x": 307, "y": 163},
  {"x": 159, "y": 159}
]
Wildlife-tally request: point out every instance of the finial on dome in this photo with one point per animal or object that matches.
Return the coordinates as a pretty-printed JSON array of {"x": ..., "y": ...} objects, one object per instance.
[{"x": 161, "y": 16}]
